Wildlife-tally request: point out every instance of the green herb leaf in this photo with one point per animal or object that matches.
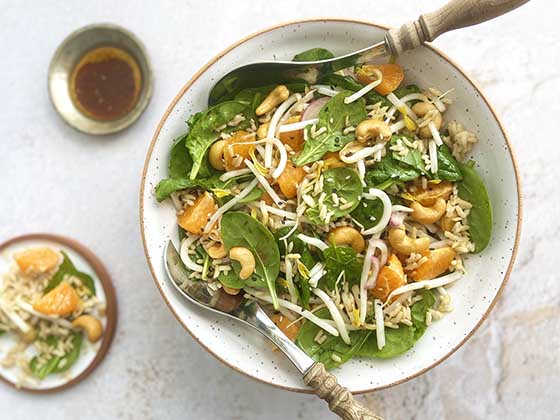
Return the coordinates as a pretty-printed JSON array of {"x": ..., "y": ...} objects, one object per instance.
[
  {"x": 207, "y": 128},
  {"x": 389, "y": 171},
  {"x": 413, "y": 158},
  {"x": 57, "y": 364},
  {"x": 332, "y": 117},
  {"x": 314, "y": 54},
  {"x": 346, "y": 184},
  {"x": 230, "y": 279},
  {"x": 407, "y": 90},
  {"x": 448, "y": 167},
  {"x": 67, "y": 268},
  {"x": 473, "y": 190},
  {"x": 240, "y": 229},
  {"x": 337, "y": 260},
  {"x": 368, "y": 212},
  {"x": 402, "y": 339},
  {"x": 72, "y": 355},
  {"x": 336, "y": 80},
  {"x": 332, "y": 345}
]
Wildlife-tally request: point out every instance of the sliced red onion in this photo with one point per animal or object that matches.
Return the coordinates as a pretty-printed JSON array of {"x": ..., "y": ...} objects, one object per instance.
[
  {"x": 312, "y": 111},
  {"x": 397, "y": 218},
  {"x": 372, "y": 279}
]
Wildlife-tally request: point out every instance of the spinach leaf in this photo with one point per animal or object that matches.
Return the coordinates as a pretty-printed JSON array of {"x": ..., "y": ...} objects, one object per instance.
[
  {"x": 170, "y": 185},
  {"x": 332, "y": 117},
  {"x": 473, "y": 190},
  {"x": 240, "y": 229},
  {"x": 57, "y": 364},
  {"x": 314, "y": 54},
  {"x": 230, "y": 279},
  {"x": 180, "y": 162},
  {"x": 413, "y": 158},
  {"x": 346, "y": 184},
  {"x": 402, "y": 339},
  {"x": 389, "y": 171},
  {"x": 339, "y": 81},
  {"x": 368, "y": 212},
  {"x": 193, "y": 119},
  {"x": 255, "y": 194},
  {"x": 448, "y": 167},
  {"x": 332, "y": 345},
  {"x": 339, "y": 259},
  {"x": 206, "y": 129},
  {"x": 67, "y": 268},
  {"x": 407, "y": 90},
  {"x": 72, "y": 355}
]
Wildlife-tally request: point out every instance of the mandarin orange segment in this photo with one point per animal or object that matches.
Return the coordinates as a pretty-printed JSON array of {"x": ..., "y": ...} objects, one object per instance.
[
  {"x": 235, "y": 151},
  {"x": 439, "y": 261},
  {"x": 62, "y": 301},
  {"x": 290, "y": 179},
  {"x": 289, "y": 329},
  {"x": 294, "y": 139},
  {"x": 393, "y": 75},
  {"x": 194, "y": 218},
  {"x": 390, "y": 278},
  {"x": 37, "y": 260}
]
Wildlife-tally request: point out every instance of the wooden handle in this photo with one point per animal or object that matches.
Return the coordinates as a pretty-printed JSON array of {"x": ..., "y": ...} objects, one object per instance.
[
  {"x": 341, "y": 401},
  {"x": 454, "y": 15}
]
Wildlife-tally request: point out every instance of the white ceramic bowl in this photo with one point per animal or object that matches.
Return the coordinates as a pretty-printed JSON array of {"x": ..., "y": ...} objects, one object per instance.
[{"x": 473, "y": 296}]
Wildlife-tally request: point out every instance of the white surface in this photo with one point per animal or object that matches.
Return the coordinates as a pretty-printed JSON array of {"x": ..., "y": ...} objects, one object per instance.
[
  {"x": 58, "y": 180},
  {"x": 7, "y": 341},
  {"x": 471, "y": 296}
]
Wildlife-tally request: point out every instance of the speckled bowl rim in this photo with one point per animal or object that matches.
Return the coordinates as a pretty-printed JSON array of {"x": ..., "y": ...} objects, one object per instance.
[
  {"x": 362, "y": 22},
  {"x": 110, "y": 300}
]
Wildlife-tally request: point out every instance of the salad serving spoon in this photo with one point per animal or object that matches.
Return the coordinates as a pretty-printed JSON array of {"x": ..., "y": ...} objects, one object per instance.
[
  {"x": 323, "y": 383},
  {"x": 453, "y": 15}
]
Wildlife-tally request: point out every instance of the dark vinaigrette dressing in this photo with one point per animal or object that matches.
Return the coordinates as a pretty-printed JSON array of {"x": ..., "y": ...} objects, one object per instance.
[{"x": 106, "y": 83}]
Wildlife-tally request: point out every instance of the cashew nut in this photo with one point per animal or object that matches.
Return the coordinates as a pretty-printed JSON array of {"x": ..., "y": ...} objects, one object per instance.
[
  {"x": 426, "y": 109},
  {"x": 245, "y": 258},
  {"x": 446, "y": 222},
  {"x": 216, "y": 155},
  {"x": 428, "y": 215},
  {"x": 262, "y": 131},
  {"x": 91, "y": 325},
  {"x": 217, "y": 251},
  {"x": 372, "y": 130},
  {"x": 230, "y": 290},
  {"x": 429, "y": 196},
  {"x": 278, "y": 95},
  {"x": 404, "y": 244},
  {"x": 346, "y": 235},
  {"x": 29, "y": 336}
]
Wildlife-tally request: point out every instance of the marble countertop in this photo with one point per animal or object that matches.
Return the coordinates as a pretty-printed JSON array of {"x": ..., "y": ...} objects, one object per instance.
[{"x": 57, "y": 180}]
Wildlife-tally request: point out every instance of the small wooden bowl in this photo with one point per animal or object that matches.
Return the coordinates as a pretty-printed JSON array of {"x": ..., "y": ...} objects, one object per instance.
[
  {"x": 67, "y": 56},
  {"x": 99, "y": 273}
]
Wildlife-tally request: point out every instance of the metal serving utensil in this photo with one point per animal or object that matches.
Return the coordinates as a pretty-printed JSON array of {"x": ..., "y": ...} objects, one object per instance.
[
  {"x": 323, "y": 383},
  {"x": 454, "y": 15}
]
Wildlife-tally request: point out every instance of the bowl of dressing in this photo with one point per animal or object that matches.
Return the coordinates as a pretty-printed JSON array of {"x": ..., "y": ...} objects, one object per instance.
[{"x": 99, "y": 79}]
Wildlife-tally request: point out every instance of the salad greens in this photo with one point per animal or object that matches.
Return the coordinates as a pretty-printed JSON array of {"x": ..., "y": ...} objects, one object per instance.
[
  {"x": 57, "y": 364},
  {"x": 208, "y": 126},
  {"x": 346, "y": 184},
  {"x": 473, "y": 190},
  {"x": 341, "y": 259},
  {"x": 240, "y": 229},
  {"x": 285, "y": 207},
  {"x": 67, "y": 268},
  {"x": 333, "y": 118}
]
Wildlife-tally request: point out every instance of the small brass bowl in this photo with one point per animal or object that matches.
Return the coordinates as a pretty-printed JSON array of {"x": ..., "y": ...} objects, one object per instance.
[{"x": 67, "y": 56}]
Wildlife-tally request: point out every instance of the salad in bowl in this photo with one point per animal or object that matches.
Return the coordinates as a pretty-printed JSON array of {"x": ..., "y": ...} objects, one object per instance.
[{"x": 344, "y": 206}]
